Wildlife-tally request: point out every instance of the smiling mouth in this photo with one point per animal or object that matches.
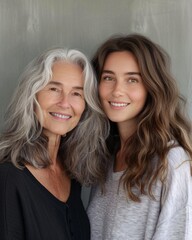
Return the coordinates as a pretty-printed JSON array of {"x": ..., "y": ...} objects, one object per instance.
[
  {"x": 59, "y": 115},
  {"x": 115, "y": 104}
]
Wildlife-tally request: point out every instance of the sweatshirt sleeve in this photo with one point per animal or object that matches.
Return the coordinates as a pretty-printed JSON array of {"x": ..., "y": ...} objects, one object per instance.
[{"x": 175, "y": 219}]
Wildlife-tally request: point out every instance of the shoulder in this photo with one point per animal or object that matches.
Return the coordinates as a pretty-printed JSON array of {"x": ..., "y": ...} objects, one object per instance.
[
  {"x": 176, "y": 192},
  {"x": 9, "y": 167},
  {"x": 178, "y": 158},
  {"x": 75, "y": 186},
  {"x": 10, "y": 174},
  {"x": 179, "y": 174}
]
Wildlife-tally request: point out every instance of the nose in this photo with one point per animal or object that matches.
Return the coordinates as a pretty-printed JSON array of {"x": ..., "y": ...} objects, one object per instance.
[
  {"x": 64, "y": 101},
  {"x": 117, "y": 90}
]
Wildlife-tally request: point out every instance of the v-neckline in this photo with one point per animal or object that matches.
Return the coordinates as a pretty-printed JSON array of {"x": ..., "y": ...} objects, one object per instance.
[{"x": 46, "y": 191}]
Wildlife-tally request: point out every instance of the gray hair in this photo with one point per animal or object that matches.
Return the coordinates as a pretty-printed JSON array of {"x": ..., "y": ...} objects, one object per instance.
[{"x": 83, "y": 150}]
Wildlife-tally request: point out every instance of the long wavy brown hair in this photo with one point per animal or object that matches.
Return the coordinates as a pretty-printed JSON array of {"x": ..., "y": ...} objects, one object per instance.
[{"x": 163, "y": 118}]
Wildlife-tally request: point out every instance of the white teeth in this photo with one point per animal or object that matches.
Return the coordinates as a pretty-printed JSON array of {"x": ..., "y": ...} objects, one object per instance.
[
  {"x": 60, "y": 115},
  {"x": 118, "y": 104}
]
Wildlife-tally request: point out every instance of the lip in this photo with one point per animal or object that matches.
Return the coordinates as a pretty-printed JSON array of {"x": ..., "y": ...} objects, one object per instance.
[
  {"x": 118, "y": 105},
  {"x": 61, "y": 116}
]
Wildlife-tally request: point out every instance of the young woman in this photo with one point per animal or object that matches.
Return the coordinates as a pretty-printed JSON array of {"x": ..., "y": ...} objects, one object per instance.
[
  {"x": 49, "y": 145},
  {"x": 148, "y": 192}
]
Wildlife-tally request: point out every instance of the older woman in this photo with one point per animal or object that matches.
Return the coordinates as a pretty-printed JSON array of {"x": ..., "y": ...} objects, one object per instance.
[{"x": 53, "y": 139}]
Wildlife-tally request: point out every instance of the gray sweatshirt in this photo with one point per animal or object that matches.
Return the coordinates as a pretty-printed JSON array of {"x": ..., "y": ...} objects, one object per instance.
[{"x": 115, "y": 217}]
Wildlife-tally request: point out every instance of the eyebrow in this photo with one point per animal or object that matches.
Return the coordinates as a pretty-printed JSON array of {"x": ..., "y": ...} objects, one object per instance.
[
  {"x": 60, "y": 84},
  {"x": 127, "y": 73}
]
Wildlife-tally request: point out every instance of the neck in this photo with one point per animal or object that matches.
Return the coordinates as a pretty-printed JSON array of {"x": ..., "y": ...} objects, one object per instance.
[
  {"x": 126, "y": 130},
  {"x": 53, "y": 147},
  {"x": 119, "y": 164}
]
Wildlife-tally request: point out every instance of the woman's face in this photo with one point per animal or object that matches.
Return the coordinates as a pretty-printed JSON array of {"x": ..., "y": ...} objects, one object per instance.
[
  {"x": 122, "y": 92},
  {"x": 62, "y": 100}
]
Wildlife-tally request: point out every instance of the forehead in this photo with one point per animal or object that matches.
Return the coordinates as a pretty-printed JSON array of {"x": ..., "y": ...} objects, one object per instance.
[
  {"x": 67, "y": 71},
  {"x": 67, "y": 75},
  {"x": 121, "y": 61},
  {"x": 63, "y": 66}
]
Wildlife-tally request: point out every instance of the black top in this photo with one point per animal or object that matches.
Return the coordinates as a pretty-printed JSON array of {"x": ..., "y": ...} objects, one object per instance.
[{"x": 29, "y": 211}]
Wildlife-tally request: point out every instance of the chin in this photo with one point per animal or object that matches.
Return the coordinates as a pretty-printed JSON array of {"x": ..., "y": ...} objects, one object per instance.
[{"x": 116, "y": 118}]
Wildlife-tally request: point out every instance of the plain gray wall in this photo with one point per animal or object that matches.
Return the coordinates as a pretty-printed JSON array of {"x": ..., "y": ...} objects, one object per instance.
[{"x": 28, "y": 27}]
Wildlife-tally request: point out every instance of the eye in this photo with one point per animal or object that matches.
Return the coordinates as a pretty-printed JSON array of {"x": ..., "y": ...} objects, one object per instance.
[
  {"x": 54, "y": 89},
  {"x": 107, "y": 78},
  {"x": 77, "y": 94},
  {"x": 133, "y": 80}
]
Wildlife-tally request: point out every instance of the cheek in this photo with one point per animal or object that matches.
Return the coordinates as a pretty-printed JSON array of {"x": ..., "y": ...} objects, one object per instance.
[
  {"x": 39, "y": 114},
  {"x": 140, "y": 95},
  {"x": 42, "y": 108},
  {"x": 80, "y": 108},
  {"x": 42, "y": 100},
  {"x": 143, "y": 95},
  {"x": 102, "y": 92}
]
